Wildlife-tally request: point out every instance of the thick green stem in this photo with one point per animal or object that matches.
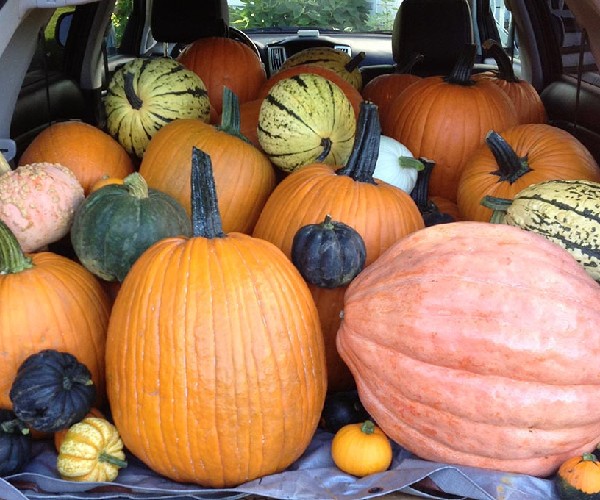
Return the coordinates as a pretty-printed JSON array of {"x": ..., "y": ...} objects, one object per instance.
[
  {"x": 368, "y": 427},
  {"x": 12, "y": 258},
  {"x": 461, "y": 72},
  {"x": 230, "y": 115},
  {"x": 206, "y": 219},
  {"x": 132, "y": 97},
  {"x": 136, "y": 185},
  {"x": 511, "y": 167},
  {"x": 499, "y": 206},
  {"x": 327, "y": 222},
  {"x": 353, "y": 63},
  {"x": 363, "y": 158},
  {"x": 505, "y": 67},
  {"x": 110, "y": 459}
]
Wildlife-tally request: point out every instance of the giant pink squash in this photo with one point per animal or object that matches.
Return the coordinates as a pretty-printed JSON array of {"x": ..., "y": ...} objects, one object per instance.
[{"x": 477, "y": 344}]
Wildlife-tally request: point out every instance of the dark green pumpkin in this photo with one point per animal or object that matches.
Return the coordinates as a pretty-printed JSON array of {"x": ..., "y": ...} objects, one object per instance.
[
  {"x": 15, "y": 443},
  {"x": 329, "y": 254},
  {"x": 340, "y": 409},
  {"x": 52, "y": 390},
  {"x": 114, "y": 225}
]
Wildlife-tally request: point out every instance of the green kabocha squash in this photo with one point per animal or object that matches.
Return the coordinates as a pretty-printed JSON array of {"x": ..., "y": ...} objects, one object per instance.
[
  {"x": 15, "y": 443},
  {"x": 116, "y": 223},
  {"x": 51, "y": 391},
  {"x": 329, "y": 254},
  {"x": 566, "y": 212},
  {"x": 305, "y": 119},
  {"x": 578, "y": 478},
  {"x": 342, "y": 408},
  {"x": 147, "y": 93}
]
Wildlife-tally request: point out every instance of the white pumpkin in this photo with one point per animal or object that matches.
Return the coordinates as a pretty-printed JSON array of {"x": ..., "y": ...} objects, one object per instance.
[{"x": 396, "y": 165}]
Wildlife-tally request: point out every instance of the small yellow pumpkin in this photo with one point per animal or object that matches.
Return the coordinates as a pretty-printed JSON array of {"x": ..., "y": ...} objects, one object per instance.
[
  {"x": 92, "y": 450},
  {"x": 361, "y": 449}
]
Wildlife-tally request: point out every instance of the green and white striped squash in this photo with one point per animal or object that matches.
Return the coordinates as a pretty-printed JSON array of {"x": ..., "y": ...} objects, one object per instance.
[
  {"x": 147, "y": 93},
  {"x": 566, "y": 212},
  {"x": 306, "y": 119}
]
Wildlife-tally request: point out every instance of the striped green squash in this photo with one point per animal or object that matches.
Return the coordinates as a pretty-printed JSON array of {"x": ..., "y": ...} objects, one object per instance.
[
  {"x": 306, "y": 119},
  {"x": 145, "y": 94},
  {"x": 566, "y": 212}
]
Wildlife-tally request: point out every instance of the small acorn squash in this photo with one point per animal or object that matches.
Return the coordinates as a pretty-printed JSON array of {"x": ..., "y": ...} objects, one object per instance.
[
  {"x": 578, "y": 478},
  {"x": 15, "y": 443}
]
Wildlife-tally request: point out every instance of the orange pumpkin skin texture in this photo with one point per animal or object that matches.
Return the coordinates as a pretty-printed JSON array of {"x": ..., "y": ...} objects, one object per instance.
[
  {"x": 225, "y": 62},
  {"x": 383, "y": 89},
  {"x": 86, "y": 150},
  {"x": 244, "y": 175},
  {"x": 551, "y": 153},
  {"x": 579, "y": 477},
  {"x": 445, "y": 122},
  {"x": 227, "y": 382},
  {"x": 483, "y": 358}
]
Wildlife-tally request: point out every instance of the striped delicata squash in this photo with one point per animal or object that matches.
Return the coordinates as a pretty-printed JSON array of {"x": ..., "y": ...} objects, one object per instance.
[
  {"x": 145, "y": 94},
  {"x": 566, "y": 212}
]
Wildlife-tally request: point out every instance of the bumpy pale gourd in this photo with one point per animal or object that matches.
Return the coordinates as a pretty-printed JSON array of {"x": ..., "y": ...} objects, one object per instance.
[{"x": 38, "y": 202}]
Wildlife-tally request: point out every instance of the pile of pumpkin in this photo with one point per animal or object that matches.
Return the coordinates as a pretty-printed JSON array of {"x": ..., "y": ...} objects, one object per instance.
[{"x": 244, "y": 246}]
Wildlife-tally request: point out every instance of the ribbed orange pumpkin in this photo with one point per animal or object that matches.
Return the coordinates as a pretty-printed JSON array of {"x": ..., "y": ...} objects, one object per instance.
[
  {"x": 244, "y": 175},
  {"x": 48, "y": 301},
  {"x": 86, "y": 150},
  {"x": 519, "y": 157},
  {"x": 527, "y": 101},
  {"x": 215, "y": 362},
  {"x": 485, "y": 357},
  {"x": 380, "y": 212},
  {"x": 445, "y": 119},
  {"x": 225, "y": 62},
  {"x": 249, "y": 112}
]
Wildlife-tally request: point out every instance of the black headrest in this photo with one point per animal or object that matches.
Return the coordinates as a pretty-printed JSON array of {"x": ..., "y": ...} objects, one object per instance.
[
  {"x": 185, "y": 21},
  {"x": 437, "y": 29}
]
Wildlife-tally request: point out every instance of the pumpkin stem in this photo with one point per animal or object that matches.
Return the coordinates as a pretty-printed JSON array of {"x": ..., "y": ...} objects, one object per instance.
[
  {"x": 136, "y": 185},
  {"x": 230, "y": 116},
  {"x": 368, "y": 427},
  {"x": 326, "y": 143},
  {"x": 590, "y": 457},
  {"x": 206, "y": 219},
  {"x": 327, "y": 222},
  {"x": 14, "y": 426},
  {"x": 505, "y": 67},
  {"x": 132, "y": 97},
  {"x": 420, "y": 193},
  {"x": 461, "y": 72},
  {"x": 353, "y": 63},
  {"x": 12, "y": 258},
  {"x": 110, "y": 459},
  {"x": 510, "y": 166},
  {"x": 363, "y": 157},
  {"x": 414, "y": 58},
  {"x": 498, "y": 206}
]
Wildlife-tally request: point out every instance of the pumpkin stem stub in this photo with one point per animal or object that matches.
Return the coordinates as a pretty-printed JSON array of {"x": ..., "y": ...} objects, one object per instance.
[
  {"x": 511, "y": 167},
  {"x": 206, "y": 219},
  {"x": 363, "y": 158},
  {"x": 136, "y": 185},
  {"x": 353, "y": 63},
  {"x": 505, "y": 67},
  {"x": 461, "y": 72},
  {"x": 14, "y": 426},
  {"x": 498, "y": 206},
  {"x": 414, "y": 58},
  {"x": 12, "y": 258},
  {"x": 230, "y": 116},
  {"x": 368, "y": 427},
  {"x": 132, "y": 97},
  {"x": 110, "y": 459}
]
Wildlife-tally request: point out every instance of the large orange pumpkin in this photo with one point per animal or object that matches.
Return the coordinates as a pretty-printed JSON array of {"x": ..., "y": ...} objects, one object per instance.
[
  {"x": 48, "y": 301},
  {"x": 380, "y": 212},
  {"x": 86, "y": 150},
  {"x": 215, "y": 362},
  {"x": 519, "y": 157},
  {"x": 444, "y": 119},
  {"x": 477, "y": 344},
  {"x": 225, "y": 62},
  {"x": 244, "y": 175}
]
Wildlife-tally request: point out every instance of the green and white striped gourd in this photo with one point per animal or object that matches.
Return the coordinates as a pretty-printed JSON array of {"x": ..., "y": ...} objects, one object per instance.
[
  {"x": 306, "y": 119},
  {"x": 566, "y": 212},
  {"x": 145, "y": 94}
]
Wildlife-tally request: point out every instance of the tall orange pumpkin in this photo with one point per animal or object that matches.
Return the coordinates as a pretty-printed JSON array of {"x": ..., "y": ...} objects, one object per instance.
[
  {"x": 380, "y": 212},
  {"x": 48, "y": 301},
  {"x": 444, "y": 119},
  {"x": 87, "y": 151},
  {"x": 225, "y": 62},
  {"x": 486, "y": 357},
  {"x": 245, "y": 177},
  {"x": 215, "y": 362},
  {"x": 519, "y": 157}
]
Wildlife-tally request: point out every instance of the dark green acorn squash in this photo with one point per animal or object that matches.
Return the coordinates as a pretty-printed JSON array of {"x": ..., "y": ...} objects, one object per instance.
[
  {"x": 15, "y": 443},
  {"x": 116, "y": 223},
  {"x": 51, "y": 391},
  {"x": 329, "y": 254},
  {"x": 340, "y": 409}
]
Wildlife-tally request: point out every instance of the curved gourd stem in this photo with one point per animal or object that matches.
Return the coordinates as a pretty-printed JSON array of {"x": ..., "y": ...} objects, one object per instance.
[
  {"x": 353, "y": 63},
  {"x": 132, "y": 97},
  {"x": 230, "y": 116},
  {"x": 110, "y": 459},
  {"x": 414, "y": 58},
  {"x": 12, "y": 258},
  {"x": 136, "y": 185},
  {"x": 326, "y": 143},
  {"x": 511, "y": 167},
  {"x": 499, "y": 206},
  {"x": 505, "y": 67},
  {"x": 363, "y": 158},
  {"x": 461, "y": 72},
  {"x": 206, "y": 219},
  {"x": 420, "y": 193}
]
